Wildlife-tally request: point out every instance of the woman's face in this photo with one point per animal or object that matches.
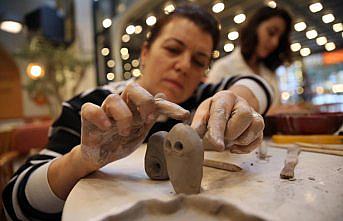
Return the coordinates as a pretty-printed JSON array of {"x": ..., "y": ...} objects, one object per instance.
[
  {"x": 176, "y": 61},
  {"x": 269, "y": 33}
]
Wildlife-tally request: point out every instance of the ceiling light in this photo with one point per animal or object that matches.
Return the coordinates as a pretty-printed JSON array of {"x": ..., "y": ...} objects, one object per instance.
[
  {"x": 125, "y": 38},
  {"x": 216, "y": 54},
  {"x": 233, "y": 35},
  {"x": 35, "y": 71},
  {"x": 169, "y": 8},
  {"x": 110, "y": 76},
  {"x": 239, "y": 18},
  {"x": 105, "y": 51},
  {"x": 300, "y": 26},
  {"x": 127, "y": 66},
  {"x": 121, "y": 7},
  {"x": 125, "y": 56},
  {"x": 110, "y": 63},
  {"x": 106, "y": 23},
  {"x": 136, "y": 72},
  {"x": 135, "y": 63},
  {"x": 295, "y": 47},
  {"x": 330, "y": 46},
  {"x": 127, "y": 75},
  {"x": 229, "y": 47},
  {"x": 11, "y": 26},
  {"x": 130, "y": 29},
  {"x": 328, "y": 18},
  {"x": 218, "y": 7},
  {"x": 305, "y": 52},
  {"x": 300, "y": 90},
  {"x": 285, "y": 95},
  {"x": 271, "y": 4},
  {"x": 316, "y": 7},
  {"x": 337, "y": 27},
  {"x": 321, "y": 40},
  {"x": 151, "y": 20},
  {"x": 124, "y": 51},
  {"x": 138, "y": 29},
  {"x": 311, "y": 34}
]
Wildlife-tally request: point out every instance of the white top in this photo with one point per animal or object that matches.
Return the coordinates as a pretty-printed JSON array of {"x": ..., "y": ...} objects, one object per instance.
[{"x": 234, "y": 64}]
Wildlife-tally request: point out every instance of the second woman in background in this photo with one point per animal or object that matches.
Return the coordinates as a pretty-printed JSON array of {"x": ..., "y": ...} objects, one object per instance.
[{"x": 264, "y": 46}]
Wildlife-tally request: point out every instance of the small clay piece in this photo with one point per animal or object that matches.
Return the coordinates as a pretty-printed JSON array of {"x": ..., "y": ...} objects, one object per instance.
[
  {"x": 184, "y": 155},
  {"x": 222, "y": 165},
  {"x": 196, "y": 207},
  {"x": 290, "y": 163},
  {"x": 154, "y": 162},
  {"x": 262, "y": 152}
]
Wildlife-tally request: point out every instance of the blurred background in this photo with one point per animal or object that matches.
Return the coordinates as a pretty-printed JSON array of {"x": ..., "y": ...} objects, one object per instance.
[{"x": 51, "y": 50}]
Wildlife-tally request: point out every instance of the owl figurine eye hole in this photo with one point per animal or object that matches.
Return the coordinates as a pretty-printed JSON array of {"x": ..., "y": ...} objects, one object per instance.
[{"x": 178, "y": 146}]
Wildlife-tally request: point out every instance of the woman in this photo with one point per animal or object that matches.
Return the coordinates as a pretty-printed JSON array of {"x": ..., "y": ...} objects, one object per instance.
[
  {"x": 264, "y": 46},
  {"x": 108, "y": 123}
]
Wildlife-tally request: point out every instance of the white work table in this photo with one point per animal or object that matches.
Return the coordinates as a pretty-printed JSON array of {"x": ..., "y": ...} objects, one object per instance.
[{"x": 316, "y": 193}]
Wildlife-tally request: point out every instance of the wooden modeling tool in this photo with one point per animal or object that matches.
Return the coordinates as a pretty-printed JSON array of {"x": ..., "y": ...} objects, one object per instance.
[{"x": 221, "y": 165}]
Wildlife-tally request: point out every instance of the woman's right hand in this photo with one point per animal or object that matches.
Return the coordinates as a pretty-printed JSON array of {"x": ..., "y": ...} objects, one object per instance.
[{"x": 119, "y": 126}]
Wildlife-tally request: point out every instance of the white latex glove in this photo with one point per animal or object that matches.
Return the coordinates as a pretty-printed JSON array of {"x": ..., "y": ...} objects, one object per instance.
[
  {"x": 227, "y": 121},
  {"x": 119, "y": 126}
]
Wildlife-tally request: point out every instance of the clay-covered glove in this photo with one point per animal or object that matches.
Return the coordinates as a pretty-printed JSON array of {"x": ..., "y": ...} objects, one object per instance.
[
  {"x": 227, "y": 121},
  {"x": 119, "y": 126}
]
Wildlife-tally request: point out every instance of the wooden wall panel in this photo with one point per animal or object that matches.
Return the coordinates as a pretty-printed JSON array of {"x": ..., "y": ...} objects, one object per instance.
[{"x": 11, "y": 104}]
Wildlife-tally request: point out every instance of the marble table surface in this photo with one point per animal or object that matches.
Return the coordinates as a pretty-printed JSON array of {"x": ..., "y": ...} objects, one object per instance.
[{"x": 316, "y": 193}]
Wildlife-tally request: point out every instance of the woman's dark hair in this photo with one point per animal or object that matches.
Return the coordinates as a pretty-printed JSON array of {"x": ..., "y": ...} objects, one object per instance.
[
  {"x": 199, "y": 16},
  {"x": 249, "y": 39}
]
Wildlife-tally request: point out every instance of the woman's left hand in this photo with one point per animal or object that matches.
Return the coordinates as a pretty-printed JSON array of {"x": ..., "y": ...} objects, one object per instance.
[{"x": 227, "y": 121}]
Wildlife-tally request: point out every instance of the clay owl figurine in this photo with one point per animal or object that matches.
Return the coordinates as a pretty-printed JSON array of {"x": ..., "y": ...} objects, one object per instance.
[
  {"x": 184, "y": 154},
  {"x": 154, "y": 162}
]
